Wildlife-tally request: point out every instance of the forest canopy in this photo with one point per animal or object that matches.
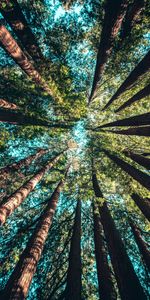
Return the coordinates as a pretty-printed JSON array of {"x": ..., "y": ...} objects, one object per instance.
[{"x": 75, "y": 149}]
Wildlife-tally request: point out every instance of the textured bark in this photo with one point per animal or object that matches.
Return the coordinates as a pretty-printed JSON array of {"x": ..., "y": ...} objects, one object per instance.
[
  {"x": 19, "y": 195},
  {"x": 132, "y": 16},
  {"x": 12, "y": 48},
  {"x": 138, "y": 96},
  {"x": 106, "y": 288},
  {"x": 143, "y": 205},
  {"x": 7, "y": 105},
  {"x": 19, "y": 282},
  {"x": 114, "y": 14},
  {"x": 143, "y": 161},
  {"x": 139, "y": 131},
  {"x": 74, "y": 284},
  {"x": 16, "y": 19},
  {"x": 139, "y": 120},
  {"x": 145, "y": 253},
  {"x": 22, "y": 163},
  {"x": 142, "y": 68},
  {"x": 136, "y": 174},
  {"x": 127, "y": 280}
]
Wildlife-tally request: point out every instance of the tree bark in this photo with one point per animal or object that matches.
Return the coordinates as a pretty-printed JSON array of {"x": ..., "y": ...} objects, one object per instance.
[
  {"x": 114, "y": 14},
  {"x": 139, "y": 120},
  {"x": 139, "y": 131},
  {"x": 22, "y": 163},
  {"x": 106, "y": 288},
  {"x": 143, "y": 205},
  {"x": 7, "y": 105},
  {"x": 19, "y": 282},
  {"x": 142, "y": 68},
  {"x": 127, "y": 280},
  {"x": 141, "y": 160},
  {"x": 138, "y": 96},
  {"x": 136, "y": 174},
  {"x": 12, "y": 48},
  {"x": 74, "y": 284},
  {"x": 19, "y": 195},
  {"x": 16, "y": 19},
  {"x": 145, "y": 253}
]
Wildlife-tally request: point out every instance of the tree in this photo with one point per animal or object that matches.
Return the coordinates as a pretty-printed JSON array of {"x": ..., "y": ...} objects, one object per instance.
[
  {"x": 74, "y": 284},
  {"x": 143, "y": 161},
  {"x": 141, "y": 69},
  {"x": 8, "y": 105},
  {"x": 138, "y": 131},
  {"x": 114, "y": 14},
  {"x": 143, "y": 205},
  {"x": 136, "y": 174},
  {"x": 138, "y": 96},
  {"x": 12, "y": 13},
  {"x": 14, "y": 200},
  {"x": 19, "y": 282}
]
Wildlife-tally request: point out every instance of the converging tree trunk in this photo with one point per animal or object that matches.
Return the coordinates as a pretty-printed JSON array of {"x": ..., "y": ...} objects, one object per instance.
[
  {"x": 141, "y": 160},
  {"x": 139, "y": 131},
  {"x": 12, "y": 48},
  {"x": 143, "y": 204},
  {"x": 7, "y": 105},
  {"x": 139, "y": 120},
  {"x": 138, "y": 96},
  {"x": 12, "y": 13},
  {"x": 114, "y": 14},
  {"x": 142, "y": 68},
  {"x": 74, "y": 285},
  {"x": 19, "y": 195},
  {"x": 136, "y": 174},
  {"x": 19, "y": 282},
  {"x": 143, "y": 248}
]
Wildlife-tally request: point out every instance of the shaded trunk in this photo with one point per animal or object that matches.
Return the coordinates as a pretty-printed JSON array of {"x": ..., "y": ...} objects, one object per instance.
[
  {"x": 143, "y": 161},
  {"x": 106, "y": 288},
  {"x": 136, "y": 174},
  {"x": 142, "y": 68},
  {"x": 127, "y": 280},
  {"x": 139, "y": 131},
  {"x": 12, "y": 13},
  {"x": 143, "y": 205},
  {"x": 132, "y": 16},
  {"x": 139, "y": 120},
  {"x": 19, "y": 195},
  {"x": 140, "y": 95},
  {"x": 12, "y": 48},
  {"x": 74, "y": 284},
  {"x": 145, "y": 253},
  {"x": 22, "y": 163},
  {"x": 7, "y": 105},
  {"x": 19, "y": 282},
  {"x": 114, "y": 14}
]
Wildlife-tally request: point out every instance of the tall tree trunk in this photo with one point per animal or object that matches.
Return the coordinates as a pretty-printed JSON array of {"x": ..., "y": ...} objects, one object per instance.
[
  {"x": 12, "y": 48},
  {"x": 142, "y": 68},
  {"x": 143, "y": 205},
  {"x": 139, "y": 120},
  {"x": 136, "y": 174},
  {"x": 12, "y": 13},
  {"x": 114, "y": 14},
  {"x": 127, "y": 280},
  {"x": 145, "y": 253},
  {"x": 141, "y": 160},
  {"x": 19, "y": 195},
  {"x": 74, "y": 285},
  {"x": 132, "y": 16},
  {"x": 22, "y": 163},
  {"x": 19, "y": 282},
  {"x": 139, "y": 131},
  {"x": 106, "y": 288},
  {"x": 7, "y": 105},
  {"x": 138, "y": 96}
]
